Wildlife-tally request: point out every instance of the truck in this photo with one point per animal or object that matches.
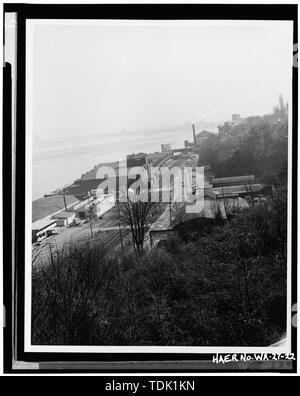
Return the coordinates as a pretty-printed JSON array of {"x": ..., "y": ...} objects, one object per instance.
[{"x": 53, "y": 231}]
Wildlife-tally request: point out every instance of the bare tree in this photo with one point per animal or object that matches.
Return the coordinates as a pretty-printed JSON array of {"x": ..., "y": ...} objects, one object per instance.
[
  {"x": 138, "y": 215},
  {"x": 91, "y": 210},
  {"x": 36, "y": 253}
]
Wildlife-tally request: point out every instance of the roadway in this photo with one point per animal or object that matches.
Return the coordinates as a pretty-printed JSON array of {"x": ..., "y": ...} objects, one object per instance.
[{"x": 105, "y": 234}]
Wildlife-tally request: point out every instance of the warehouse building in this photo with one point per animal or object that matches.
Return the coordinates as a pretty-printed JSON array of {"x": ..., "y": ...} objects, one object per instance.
[
  {"x": 42, "y": 228},
  {"x": 94, "y": 206},
  {"x": 64, "y": 219},
  {"x": 233, "y": 181},
  {"x": 103, "y": 204},
  {"x": 46, "y": 207}
]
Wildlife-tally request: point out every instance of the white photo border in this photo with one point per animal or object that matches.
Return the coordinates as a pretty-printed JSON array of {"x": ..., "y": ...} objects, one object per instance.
[{"x": 28, "y": 347}]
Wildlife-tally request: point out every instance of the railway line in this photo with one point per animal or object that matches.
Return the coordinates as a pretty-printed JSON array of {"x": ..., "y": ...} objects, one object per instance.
[{"x": 103, "y": 239}]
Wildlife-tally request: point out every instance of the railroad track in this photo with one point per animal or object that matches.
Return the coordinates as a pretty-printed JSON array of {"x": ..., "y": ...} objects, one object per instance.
[{"x": 108, "y": 242}]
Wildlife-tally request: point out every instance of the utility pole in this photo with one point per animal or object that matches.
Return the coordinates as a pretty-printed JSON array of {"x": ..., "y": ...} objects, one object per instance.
[
  {"x": 120, "y": 231},
  {"x": 194, "y": 134},
  {"x": 66, "y": 209},
  {"x": 90, "y": 212},
  {"x": 170, "y": 209},
  {"x": 92, "y": 235}
]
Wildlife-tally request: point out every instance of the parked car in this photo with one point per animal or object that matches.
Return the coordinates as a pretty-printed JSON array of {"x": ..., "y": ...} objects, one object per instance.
[{"x": 54, "y": 231}]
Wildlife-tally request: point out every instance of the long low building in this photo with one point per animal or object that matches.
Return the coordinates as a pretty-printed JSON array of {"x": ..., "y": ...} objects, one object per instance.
[
  {"x": 41, "y": 228},
  {"x": 232, "y": 181},
  {"x": 84, "y": 188},
  {"x": 64, "y": 218},
  {"x": 96, "y": 206},
  {"x": 238, "y": 191},
  {"x": 46, "y": 207}
]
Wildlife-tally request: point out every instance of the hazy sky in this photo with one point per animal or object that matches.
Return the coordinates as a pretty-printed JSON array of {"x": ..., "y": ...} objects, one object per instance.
[{"x": 90, "y": 78}]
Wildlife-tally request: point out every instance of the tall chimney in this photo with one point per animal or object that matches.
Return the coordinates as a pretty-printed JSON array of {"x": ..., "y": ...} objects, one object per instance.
[{"x": 194, "y": 134}]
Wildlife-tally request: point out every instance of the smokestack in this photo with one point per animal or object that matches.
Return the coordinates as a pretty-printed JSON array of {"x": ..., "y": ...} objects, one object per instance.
[{"x": 194, "y": 134}]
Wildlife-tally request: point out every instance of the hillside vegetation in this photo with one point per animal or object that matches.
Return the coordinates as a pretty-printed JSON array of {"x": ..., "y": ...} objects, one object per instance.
[
  {"x": 215, "y": 283},
  {"x": 228, "y": 287}
]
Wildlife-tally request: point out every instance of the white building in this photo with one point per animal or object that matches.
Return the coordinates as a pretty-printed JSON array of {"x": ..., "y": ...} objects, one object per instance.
[
  {"x": 64, "y": 219},
  {"x": 41, "y": 228},
  {"x": 95, "y": 206}
]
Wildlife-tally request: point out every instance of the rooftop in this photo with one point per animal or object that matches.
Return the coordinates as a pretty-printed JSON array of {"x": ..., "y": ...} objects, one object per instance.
[
  {"x": 63, "y": 215},
  {"x": 47, "y": 206},
  {"x": 41, "y": 224},
  {"x": 247, "y": 178},
  {"x": 82, "y": 188},
  {"x": 138, "y": 155},
  {"x": 234, "y": 190},
  {"x": 204, "y": 134}
]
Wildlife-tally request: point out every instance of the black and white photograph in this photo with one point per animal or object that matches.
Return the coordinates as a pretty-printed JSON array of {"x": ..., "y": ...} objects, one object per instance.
[{"x": 158, "y": 185}]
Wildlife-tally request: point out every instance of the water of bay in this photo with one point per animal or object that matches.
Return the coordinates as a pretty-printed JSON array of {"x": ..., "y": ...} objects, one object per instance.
[{"x": 57, "y": 163}]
